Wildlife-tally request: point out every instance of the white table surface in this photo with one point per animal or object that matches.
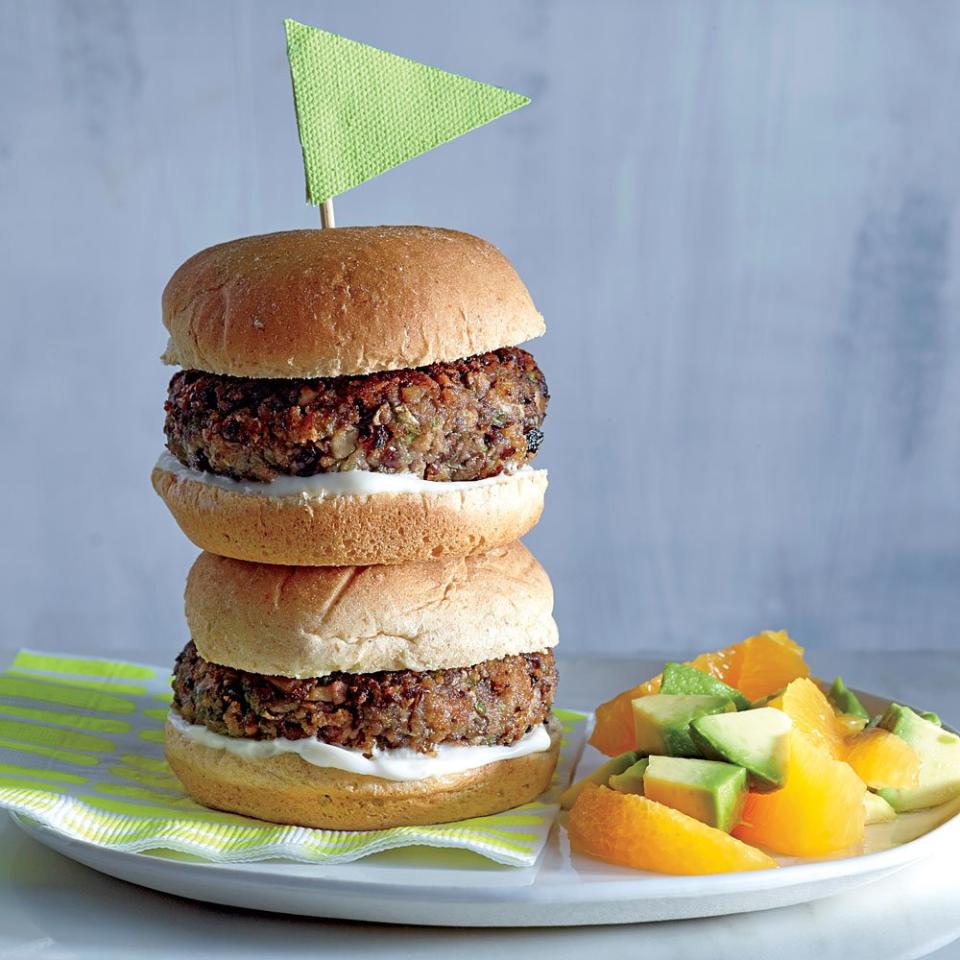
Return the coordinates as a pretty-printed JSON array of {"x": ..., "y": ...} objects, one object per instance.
[{"x": 52, "y": 908}]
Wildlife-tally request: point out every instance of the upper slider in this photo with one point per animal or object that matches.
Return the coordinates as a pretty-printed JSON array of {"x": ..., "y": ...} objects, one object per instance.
[{"x": 352, "y": 396}]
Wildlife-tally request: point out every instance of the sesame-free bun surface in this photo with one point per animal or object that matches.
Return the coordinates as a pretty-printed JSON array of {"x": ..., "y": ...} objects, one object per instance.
[
  {"x": 351, "y": 300},
  {"x": 287, "y": 789},
  {"x": 345, "y": 530},
  {"x": 312, "y": 621}
]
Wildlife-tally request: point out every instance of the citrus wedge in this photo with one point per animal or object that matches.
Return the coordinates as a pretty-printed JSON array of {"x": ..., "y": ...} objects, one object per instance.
[
  {"x": 819, "y": 811},
  {"x": 768, "y": 662},
  {"x": 758, "y": 666},
  {"x": 813, "y": 716},
  {"x": 881, "y": 759},
  {"x": 613, "y": 727},
  {"x": 633, "y": 831}
]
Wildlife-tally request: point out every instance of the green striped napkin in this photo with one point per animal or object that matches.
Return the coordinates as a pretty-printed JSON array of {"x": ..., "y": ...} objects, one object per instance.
[{"x": 81, "y": 752}]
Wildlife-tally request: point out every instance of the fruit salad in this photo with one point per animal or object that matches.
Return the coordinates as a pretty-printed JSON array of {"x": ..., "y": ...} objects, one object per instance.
[{"x": 718, "y": 764}]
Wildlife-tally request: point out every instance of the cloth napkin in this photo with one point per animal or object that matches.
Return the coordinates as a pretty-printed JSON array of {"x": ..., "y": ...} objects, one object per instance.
[{"x": 81, "y": 752}]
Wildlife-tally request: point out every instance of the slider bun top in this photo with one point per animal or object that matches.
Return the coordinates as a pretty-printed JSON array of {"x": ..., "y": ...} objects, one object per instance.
[
  {"x": 350, "y": 300},
  {"x": 312, "y": 621}
]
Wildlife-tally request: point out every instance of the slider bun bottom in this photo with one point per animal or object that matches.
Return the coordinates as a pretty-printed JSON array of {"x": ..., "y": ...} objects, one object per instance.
[
  {"x": 287, "y": 789},
  {"x": 353, "y": 530}
]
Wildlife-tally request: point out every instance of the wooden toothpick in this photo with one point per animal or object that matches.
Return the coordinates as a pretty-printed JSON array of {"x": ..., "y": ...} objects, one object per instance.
[{"x": 327, "y": 220}]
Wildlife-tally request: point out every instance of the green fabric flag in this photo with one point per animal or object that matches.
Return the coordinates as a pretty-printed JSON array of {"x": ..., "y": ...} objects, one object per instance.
[{"x": 361, "y": 111}]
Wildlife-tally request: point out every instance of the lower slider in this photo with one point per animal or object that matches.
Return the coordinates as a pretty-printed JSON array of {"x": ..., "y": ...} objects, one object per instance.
[{"x": 359, "y": 698}]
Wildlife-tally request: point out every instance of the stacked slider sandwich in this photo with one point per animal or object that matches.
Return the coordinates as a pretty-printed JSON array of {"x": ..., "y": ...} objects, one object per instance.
[{"x": 349, "y": 441}]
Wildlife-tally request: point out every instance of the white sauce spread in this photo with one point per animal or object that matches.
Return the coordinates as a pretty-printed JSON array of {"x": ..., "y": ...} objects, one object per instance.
[
  {"x": 401, "y": 763},
  {"x": 348, "y": 483}
]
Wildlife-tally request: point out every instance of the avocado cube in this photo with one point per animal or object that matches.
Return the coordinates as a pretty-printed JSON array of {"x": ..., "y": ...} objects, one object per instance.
[
  {"x": 845, "y": 700},
  {"x": 939, "y": 754},
  {"x": 599, "y": 776},
  {"x": 707, "y": 790},
  {"x": 631, "y": 780},
  {"x": 662, "y": 721},
  {"x": 934, "y": 718},
  {"x": 758, "y": 740},
  {"x": 680, "y": 678},
  {"x": 876, "y": 809}
]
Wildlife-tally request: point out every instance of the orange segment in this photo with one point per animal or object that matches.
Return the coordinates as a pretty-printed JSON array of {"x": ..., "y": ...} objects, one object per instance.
[
  {"x": 882, "y": 759},
  {"x": 819, "y": 811},
  {"x": 757, "y": 666},
  {"x": 812, "y": 714},
  {"x": 636, "y": 832},
  {"x": 850, "y": 724},
  {"x": 722, "y": 664},
  {"x": 768, "y": 662},
  {"x": 613, "y": 728}
]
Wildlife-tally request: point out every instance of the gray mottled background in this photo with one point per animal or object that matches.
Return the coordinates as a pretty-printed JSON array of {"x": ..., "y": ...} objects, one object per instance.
[{"x": 740, "y": 220}]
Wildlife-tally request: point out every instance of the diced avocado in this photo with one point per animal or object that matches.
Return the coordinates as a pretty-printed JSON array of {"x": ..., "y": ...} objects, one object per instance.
[
  {"x": 679, "y": 678},
  {"x": 756, "y": 739},
  {"x": 877, "y": 809},
  {"x": 939, "y": 754},
  {"x": 706, "y": 790},
  {"x": 662, "y": 721},
  {"x": 934, "y": 718},
  {"x": 599, "y": 776},
  {"x": 631, "y": 780},
  {"x": 845, "y": 700}
]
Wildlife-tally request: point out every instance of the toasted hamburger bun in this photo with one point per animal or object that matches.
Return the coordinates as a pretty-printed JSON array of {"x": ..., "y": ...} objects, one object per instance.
[
  {"x": 352, "y": 300},
  {"x": 235, "y": 520},
  {"x": 287, "y": 789},
  {"x": 313, "y": 621}
]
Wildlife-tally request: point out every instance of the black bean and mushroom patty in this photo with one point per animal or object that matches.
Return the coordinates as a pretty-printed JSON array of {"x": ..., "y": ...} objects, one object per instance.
[
  {"x": 464, "y": 420},
  {"x": 494, "y": 702}
]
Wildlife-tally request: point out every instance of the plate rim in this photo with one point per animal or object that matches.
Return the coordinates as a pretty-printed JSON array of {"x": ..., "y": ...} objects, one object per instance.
[
  {"x": 653, "y": 886},
  {"x": 632, "y": 886}
]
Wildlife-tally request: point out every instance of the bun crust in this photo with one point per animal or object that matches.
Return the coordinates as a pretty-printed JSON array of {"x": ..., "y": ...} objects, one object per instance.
[
  {"x": 312, "y": 621},
  {"x": 351, "y": 300},
  {"x": 346, "y": 530},
  {"x": 287, "y": 789}
]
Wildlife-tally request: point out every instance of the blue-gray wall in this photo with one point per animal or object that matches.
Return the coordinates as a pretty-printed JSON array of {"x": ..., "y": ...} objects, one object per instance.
[{"x": 740, "y": 220}]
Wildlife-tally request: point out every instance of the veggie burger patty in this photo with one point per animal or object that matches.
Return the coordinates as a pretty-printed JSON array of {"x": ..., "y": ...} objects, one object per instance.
[
  {"x": 494, "y": 702},
  {"x": 464, "y": 420}
]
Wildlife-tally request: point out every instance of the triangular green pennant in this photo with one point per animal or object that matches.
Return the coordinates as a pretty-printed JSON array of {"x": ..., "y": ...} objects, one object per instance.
[{"x": 361, "y": 111}]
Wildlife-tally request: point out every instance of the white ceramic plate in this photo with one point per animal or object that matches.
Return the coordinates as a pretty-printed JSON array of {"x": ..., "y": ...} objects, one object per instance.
[{"x": 564, "y": 889}]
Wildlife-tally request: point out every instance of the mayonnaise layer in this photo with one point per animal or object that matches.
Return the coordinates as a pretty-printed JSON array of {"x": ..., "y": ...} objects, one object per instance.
[
  {"x": 349, "y": 483},
  {"x": 399, "y": 764}
]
